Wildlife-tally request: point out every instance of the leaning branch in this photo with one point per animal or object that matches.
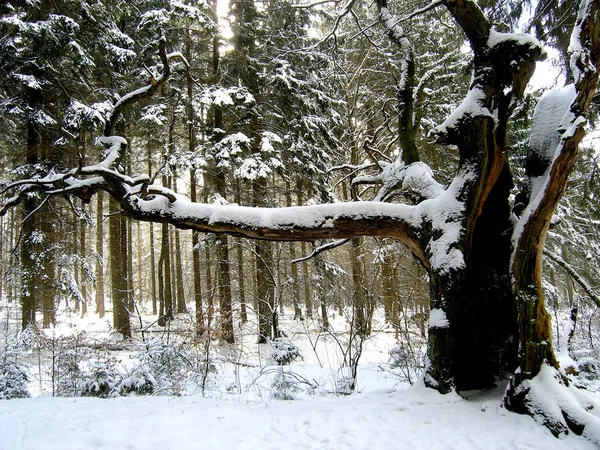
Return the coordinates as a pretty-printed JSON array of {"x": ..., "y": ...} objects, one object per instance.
[
  {"x": 321, "y": 249},
  {"x": 144, "y": 92},
  {"x": 574, "y": 275}
]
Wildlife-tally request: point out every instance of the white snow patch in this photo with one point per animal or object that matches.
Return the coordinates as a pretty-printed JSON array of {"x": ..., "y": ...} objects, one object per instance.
[
  {"x": 438, "y": 319},
  {"x": 553, "y": 122},
  {"x": 496, "y": 38},
  {"x": 417, "y": 418},
  {"x": 471, "y": 106}
]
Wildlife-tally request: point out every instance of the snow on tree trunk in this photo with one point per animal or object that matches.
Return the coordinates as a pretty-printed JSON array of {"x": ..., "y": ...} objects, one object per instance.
[{"x": 557, "y": 130}]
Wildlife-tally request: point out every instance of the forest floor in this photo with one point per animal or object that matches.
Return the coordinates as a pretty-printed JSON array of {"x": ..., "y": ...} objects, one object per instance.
[{"x": 249, "y": 402}]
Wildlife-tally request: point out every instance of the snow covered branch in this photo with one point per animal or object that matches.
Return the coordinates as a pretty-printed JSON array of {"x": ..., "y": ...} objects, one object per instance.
[
  {"x": 143, "y": 92},
  {"x": 414, "y": 180},
  {"x": 574, "y": 275}
]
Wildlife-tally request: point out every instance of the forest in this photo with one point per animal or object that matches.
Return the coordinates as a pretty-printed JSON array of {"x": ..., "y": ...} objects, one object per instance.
[{"x": 303, "y": 198}]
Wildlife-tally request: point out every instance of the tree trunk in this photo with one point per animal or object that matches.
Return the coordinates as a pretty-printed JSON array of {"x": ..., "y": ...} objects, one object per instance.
[
  {"x": 196, "y": 264},
  {"x": 28, "y": 267},
  {"x": 294, "y": 267},
  {"x": 118, "y": 270},
  {"x": 152, "y": 272},
  {"x": 84, "y": 284},
  {"x": 210, "y": 308},
  {"x": 167, "y": 291},
  {"x": 265, "y": 286},
  {"x": 321, "y": 286},
  {"x": 359, "y": 302},
  {"x": 224, "y": 288},
  {"x": 100, "y": 308},
  {"x": 240, "y": 264},
  {"x": 197, "y": 285},
  {"x": 389, "y": 294}
]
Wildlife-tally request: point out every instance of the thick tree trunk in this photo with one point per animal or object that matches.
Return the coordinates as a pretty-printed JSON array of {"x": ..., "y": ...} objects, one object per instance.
[{"x": 473, "y": 317}]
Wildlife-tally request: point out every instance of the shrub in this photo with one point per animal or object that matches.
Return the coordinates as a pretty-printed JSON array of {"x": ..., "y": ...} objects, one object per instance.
[
  {"x": 66, "y": 374},
  {"x": 284, "y": 352},
  {"x": 166, "y": 364},
  {"x": 101, "y": 380},
  {"x": 139, "y": 381},
  {"x": 284, "y": 386},
  {"x": 13, "y": 380}
]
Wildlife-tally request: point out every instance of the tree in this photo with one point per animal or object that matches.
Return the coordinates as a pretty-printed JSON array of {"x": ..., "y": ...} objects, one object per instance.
[{"x": 482, "y": 262}]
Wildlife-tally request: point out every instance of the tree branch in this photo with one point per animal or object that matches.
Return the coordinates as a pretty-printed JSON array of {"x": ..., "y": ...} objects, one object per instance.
[
  {"x": 144, "y": 92},
  {"x": 321, "y": 249},
  {"x": 574, "y": 274}
]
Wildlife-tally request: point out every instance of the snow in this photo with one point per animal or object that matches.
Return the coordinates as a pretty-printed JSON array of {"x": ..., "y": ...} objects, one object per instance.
[
  {"x": 496, "y": 38},
  {"x": 575, "y": 49},
  {"x": 114, "y": 150},
  {"x": 411, "y": 419},
  {"x": 471, "y": 106},
  {"x": 552, "y": 122},
  {"x": 552, "y": 116},
  {"x": 547, "y": 397},
  {"x": 438, "y": 319},
  {"x": 239, "y": 409}
]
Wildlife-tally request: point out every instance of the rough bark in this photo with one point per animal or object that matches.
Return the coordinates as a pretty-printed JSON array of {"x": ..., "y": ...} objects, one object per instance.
[
  {"x": 196, "y": 268},
  {"x": 118, "y": 271},
  {"x": 535, "y": 339},
  {"x": 100, "y": 307},
  {"x": 265, "y": 284}
]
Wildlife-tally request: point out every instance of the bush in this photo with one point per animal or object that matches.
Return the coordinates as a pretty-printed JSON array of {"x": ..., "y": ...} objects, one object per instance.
[
  {"x": 589, "y": 368},
  {"x": 284, "y": 352},
  {"x": 284, "y": 386},
  {"x": 101, "y": 380},
  {"x": 66, "y": 374},
  {"x": 13, "y": 380},
  {"x": 166, "y": 364},
  {"x": 345, "y": 385},
  {"x": 139, "y": 381},
  {"x": 408, "y": 358}
]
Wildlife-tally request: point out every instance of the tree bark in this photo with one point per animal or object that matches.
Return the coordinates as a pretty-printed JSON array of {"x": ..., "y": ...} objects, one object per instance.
[
  {"x": 118, "y": 270},
  {"x": 100, "y": 308}
]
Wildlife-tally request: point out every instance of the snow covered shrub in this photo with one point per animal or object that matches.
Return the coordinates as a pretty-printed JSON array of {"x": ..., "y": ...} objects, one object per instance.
[
  {"x": 588, "y": 375},
  {"x": 139, "y": 381},
  {"x": 589, "y": 368},
  {"x": 100, "y": 380},
  {"x": 407, "y": 358},
  {"x": 66, "y": 374},
  {"x": 168, "y": 364},
  {"x": 399, "y": 355},
  {"x": 29, "y": 338},
  {"x": 284, "y": 352},
  {"x": 13, "y": 380},
  {"x": 345, "y": 385},
  {"x": 284, "y": 386}
]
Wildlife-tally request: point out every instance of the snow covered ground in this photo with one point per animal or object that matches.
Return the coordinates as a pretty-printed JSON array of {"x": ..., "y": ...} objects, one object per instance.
[
  {"x": 239, "y": 409},
  {"x": 415, "y": 418}
]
